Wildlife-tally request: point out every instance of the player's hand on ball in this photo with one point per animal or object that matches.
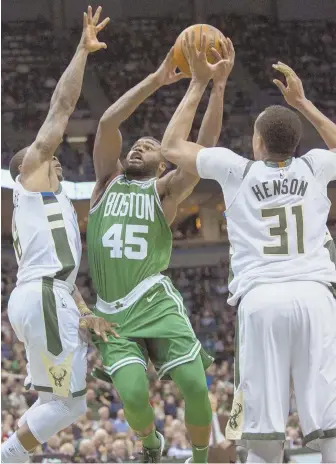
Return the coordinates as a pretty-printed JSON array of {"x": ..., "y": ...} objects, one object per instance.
[
  {"x": 225, "y": 60},
  {"x": 166, "y": 74},
  {"x": 201, "y": 69},
  {"x": 90, "y": 30},
  {"x": 99, "y": 326},
  {"x": 294, "y": 92}
]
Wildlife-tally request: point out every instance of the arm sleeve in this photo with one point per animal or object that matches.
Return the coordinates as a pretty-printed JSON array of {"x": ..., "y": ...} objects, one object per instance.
[
  {"x": 323, "y": 163},
  {"x": 220, "y": 163}
]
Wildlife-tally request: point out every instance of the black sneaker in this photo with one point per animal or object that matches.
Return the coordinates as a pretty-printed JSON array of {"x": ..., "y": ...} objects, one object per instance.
[{"x": 154, "y": 455}]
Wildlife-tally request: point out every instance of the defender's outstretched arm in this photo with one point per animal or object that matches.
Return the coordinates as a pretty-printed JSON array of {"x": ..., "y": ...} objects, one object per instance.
[
  {"x": 295, "y": 97},
  {"x": 175, "y": 147},
  {"x": 180, "y": 183},
  {"x": 65, "y": 97}
]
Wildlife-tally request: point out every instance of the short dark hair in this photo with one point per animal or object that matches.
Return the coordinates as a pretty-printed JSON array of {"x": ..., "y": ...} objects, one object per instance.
[
  {"x": 149, "y": 137},
  {"x": 281, "y": 130},
  {"x": 16, "y": 161}
]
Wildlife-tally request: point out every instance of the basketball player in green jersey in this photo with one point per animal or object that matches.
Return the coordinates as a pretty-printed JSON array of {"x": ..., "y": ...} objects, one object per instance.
[{"x": 129, "y": 245}]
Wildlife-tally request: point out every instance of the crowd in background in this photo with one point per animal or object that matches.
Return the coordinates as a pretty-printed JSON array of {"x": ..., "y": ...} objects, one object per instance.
[
  {"x": 103, "y": 434},
  {"x": 136, "y": 48}
]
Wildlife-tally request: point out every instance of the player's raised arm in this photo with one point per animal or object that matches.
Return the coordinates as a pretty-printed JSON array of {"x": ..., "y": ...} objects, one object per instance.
[
  {"x": 108, "y": 140},
  {"x": 175, "y": 147},
  {"x": 64, "y": 98},
  {"x": 294, "y": 95},
  {"x": 213, "y": 119},
  {"x": 179, "y": 184}
]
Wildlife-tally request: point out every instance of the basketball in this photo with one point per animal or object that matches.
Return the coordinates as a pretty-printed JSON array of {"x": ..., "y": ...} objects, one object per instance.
[{"x": 213, "y": 35}]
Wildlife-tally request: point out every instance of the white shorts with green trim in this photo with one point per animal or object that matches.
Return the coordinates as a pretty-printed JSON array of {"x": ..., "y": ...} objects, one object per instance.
[
  {"x": 286, "y": 333},
  {"x": 45, "y": 318}
]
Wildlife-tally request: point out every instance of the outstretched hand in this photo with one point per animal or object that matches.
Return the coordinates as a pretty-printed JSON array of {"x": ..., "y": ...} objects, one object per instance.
[
  {"x": 166, "y": 74},
  {"x": 100, "y": 326},
  {"x": 294, "y": 92},
  {"x": 225, "y": 60},
  {"x": 90, "y": 30},
  {"x": 201, "y": 69}
]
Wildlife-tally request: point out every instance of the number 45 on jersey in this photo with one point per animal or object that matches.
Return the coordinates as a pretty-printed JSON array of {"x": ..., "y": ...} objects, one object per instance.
[{"x": 133, "y": 247}]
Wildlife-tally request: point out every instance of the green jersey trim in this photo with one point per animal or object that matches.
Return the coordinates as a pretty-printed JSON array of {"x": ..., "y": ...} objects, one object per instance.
[
  {"x": 141, "y": 183},
  {"x": 110, "y": 370},
  {"x": 128, "y": 300},
  {"x": 157, "y": 198},
  {"x": 113, "y": 181},
  {"x": 191, "y": 356}
]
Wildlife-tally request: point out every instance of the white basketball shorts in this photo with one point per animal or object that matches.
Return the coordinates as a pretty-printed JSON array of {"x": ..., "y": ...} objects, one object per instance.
[
  {"x": 286, "y": 332},
  {"x": 45, "y": 318}
]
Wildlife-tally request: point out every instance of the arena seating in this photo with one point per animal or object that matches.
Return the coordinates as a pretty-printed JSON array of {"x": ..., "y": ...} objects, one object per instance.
[
  {"x": 32, "y": 61},
  {"x": 136, "y": 49},
  {"x": 307, "y": 46}
]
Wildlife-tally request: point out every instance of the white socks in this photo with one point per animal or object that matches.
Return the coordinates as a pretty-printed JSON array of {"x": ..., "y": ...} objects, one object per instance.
[{"x": 13, "y": 452}]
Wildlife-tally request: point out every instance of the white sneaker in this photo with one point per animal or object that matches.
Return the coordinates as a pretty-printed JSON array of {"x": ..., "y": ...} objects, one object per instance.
[{"x": 189, "y": 460}]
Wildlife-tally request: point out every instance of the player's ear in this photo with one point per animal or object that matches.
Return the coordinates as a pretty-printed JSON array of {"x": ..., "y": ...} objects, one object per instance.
[
  {"x": 261, "y": 143},
  {"x": 19, "y": 168}
]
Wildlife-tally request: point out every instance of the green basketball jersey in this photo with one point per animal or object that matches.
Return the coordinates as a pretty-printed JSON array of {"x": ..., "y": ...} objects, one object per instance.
[{"x": 128, "y": 237}]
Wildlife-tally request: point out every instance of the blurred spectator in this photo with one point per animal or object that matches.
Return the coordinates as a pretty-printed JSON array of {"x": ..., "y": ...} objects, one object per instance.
[{"x": 120, "y": 424}]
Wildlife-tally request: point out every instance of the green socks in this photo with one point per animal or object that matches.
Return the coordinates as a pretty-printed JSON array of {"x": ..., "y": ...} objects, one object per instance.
[
  {"x": 200, "y": 454},
  {"x": 151, "y": 441}
]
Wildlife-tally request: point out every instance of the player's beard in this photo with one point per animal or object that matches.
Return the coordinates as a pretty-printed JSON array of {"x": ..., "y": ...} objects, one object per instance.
[{"x": 139, "y": 172}]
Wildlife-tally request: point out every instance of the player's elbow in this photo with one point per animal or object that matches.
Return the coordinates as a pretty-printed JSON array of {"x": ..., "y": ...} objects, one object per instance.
[
  {"x": 111, "y": 118},
  {"x": 170, "y": 148},
  {"x": 170, "y": 153}
]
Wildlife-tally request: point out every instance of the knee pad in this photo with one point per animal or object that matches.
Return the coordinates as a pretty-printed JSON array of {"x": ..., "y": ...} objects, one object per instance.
[{"x": 55, "y": 415}]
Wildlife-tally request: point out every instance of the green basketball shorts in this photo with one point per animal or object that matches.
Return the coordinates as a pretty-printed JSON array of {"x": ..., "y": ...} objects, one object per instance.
[{"x": 156, "y": 327}]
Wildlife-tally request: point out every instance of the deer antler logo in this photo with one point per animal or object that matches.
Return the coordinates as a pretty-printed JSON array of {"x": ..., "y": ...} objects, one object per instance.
[
  {"x": 58, "y": 374},
  {"x": 234, "y": 416}
]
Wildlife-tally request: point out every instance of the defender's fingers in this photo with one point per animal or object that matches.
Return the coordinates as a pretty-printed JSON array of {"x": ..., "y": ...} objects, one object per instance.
[
  {"x": 280, "y": 86},
  {"x": 85, "y": 20},
  {"x": 102, "y": 45},
  {"x": 101, "y": 26},
  {"x": 90, "y": 14},
  {"x": 95, "y": 19}
]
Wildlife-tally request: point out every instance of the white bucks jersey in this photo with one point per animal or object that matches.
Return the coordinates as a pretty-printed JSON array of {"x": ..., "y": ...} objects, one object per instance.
[
  {"x": 276, "y": 216},
  {"x": 46, "y": 236}
]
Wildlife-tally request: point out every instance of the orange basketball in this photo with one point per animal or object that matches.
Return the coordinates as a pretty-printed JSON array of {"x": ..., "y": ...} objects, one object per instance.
[{"x": 214, "y": 36}]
